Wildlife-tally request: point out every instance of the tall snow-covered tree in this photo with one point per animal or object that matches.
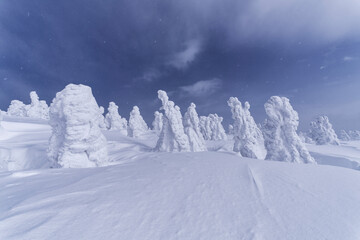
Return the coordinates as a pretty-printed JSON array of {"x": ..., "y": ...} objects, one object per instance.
[
  {"x": 344, "y": 136},
  {"x": 172, "y": 137},
  {"x": 114, "y": 121},
  {"x": 281, "y": 140},
  {"x": 211, "y": 127},
  {"x": 322, "y": 132},
  {"x": 192, "y": 130},
  {"x": 76, "y": 139},
  {"x": 17, "y": 109},
  {"x": 37, "y": 108},
  {"x": 137, "y": 125},
  {"x": 249, "y": 141},
  {"x": 158, "y": 122}
]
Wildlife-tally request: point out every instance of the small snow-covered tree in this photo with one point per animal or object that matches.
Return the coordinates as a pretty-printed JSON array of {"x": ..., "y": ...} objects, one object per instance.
[
  {"x": 17, "y": 109},
  {"x": 249, "y": 141},
  {"x": 37, "y": 108},
  {"x": 211, "y": 127},
  {"x": 304, "y": 137},
  {"x": 192, "y": 130},
  {"x": 102, "y": 123},
  {"x": 76, "y": 139},
  {"x": 137, "y": 125},
  {"x": 158, "y": 122},
  {"x": 322, "y": 132},
  {"x": 172, "y": 137},
  {"x": 231, "y": 129},
  {"x": 344, "y": 136},
  {"x": 114, "y": 121},
  {"x": 354, "y": 134},
  {"x": 281, "y": 140}
]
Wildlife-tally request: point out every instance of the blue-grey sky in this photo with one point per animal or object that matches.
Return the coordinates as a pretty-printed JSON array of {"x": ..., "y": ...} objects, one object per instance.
[{"x": 200, "y": 51}]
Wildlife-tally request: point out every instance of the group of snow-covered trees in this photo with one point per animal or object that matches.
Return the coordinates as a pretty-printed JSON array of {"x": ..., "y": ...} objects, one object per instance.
[
  {"x": 77, "y": 122},
  {"x": 36, "y": 109}
]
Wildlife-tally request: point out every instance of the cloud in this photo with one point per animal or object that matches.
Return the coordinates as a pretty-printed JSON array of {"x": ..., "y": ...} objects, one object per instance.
[
  {"x": 202, "y": 88},
  {"x": 182, "y": 59},
  {"x": 349, "y": 58}
]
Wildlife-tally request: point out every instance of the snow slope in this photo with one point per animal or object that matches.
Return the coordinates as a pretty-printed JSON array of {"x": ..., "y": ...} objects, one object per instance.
[{"x": 151, "y": 195}]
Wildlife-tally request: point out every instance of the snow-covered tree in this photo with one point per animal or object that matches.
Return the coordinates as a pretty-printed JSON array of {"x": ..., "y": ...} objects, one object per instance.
[
  {"x": 114, "y": 121},
  {"x": 102, "y": 123},
  {"x": 354, "y": 134},
  {"x": 344, "y": 136},
  {"x": 137, "y": 125},
  {"x": 192, "y": 130},
  {"x": 249, "y": 141},
  {"x": 76, "y": 139},
  {"x": 158, "y": 122},
  {"x": 231, "y": 129},
  {"x": 17, "y": 109},
  {"x": 322, "y": 132},
  {"x": 304, "y": 137},
  {"x": 211, "y": 127},
  {"x": 172, "y": 137},
  {"x": 37, "y": 108},
  {"x": 281, "y": 140}
]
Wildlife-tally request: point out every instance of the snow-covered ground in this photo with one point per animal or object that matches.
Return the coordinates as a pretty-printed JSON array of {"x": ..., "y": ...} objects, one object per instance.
[{"x": 151, "y": 195}]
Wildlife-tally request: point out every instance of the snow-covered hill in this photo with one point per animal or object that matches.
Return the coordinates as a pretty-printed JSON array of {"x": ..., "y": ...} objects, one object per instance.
[{"x": 148, "y": 195}]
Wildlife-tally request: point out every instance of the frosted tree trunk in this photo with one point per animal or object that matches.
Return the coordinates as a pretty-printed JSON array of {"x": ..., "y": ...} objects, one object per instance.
[
  {"x": 172, "y": 137},
  {"x": 281, "y": 140},
  {"x": 249, "y": 141},
  {"x": 192, "y": 130},
  {"x": 76, "y": 139}
]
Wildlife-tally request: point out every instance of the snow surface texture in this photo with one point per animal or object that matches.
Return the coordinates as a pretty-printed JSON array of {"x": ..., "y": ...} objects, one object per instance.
[
  {"x": 17, "y": 108},
  {"x": 148, "y": 195},
  {"x": 249, "y": 141},
  {"x": 158, "y": 122},
  {"x": 137, "y": 125},
  {"x": 37, "y": 109},
  {"x": 211, "y": 127},
  {"x": 192, "y": 130},
  {"x": 172, "y": 137},
  {"x": 114, "y": 121},
  {"x": 76, "y": 139},
  {"x": 281, "y": 140},
  {"x": 322, "y": 132}
]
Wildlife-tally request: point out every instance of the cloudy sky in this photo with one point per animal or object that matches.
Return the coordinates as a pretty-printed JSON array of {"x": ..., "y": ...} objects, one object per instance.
[{"x": 200, "y": 51}]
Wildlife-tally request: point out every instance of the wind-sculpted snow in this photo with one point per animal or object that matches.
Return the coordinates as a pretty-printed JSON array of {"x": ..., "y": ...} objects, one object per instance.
[
  {"x": 137, "y": 125},
  {"x": 17, "y": 109},
  {"x": 76, "y": 139},
  {"x": 281, "y": 140},
  {"x": 211, "y": 127},
  {"x": 322, "y": 132},
  {"x": 192, "y": 129},
  {"x": 249, "y": 141},
  {"x": 157, "y": 124},
  {"x": 114, "y": 121},
  {"x": 172, "y": 137}
]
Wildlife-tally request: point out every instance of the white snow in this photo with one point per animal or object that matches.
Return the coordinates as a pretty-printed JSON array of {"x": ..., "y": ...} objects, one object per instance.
[
  {"x": 186, "y": 195},
  {"x": 322, "y": 133},
  {"x": 137, "y": 125},
  {"x": 158, "y": 122},
  {"x": 211, "y": 127},
  {"x": 114, "y": 121},
  {"x": 192, "y": 130}
]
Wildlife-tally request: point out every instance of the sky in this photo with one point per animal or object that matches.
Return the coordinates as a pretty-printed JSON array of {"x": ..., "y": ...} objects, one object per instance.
[{"x": 202, "y": 51}]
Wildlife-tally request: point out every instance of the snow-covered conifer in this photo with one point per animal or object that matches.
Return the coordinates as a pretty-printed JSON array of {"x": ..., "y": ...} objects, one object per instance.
[
  {"x": 172, "y": 137},
  {"x": 344, "y": 136},
  {"x": 304, "y": 137},
  {"x": 37, "y": 108},
  {"x": 114, "y": 121},
  {"x": 137, "y": 125},
  {"x": 354, "y": 135},
  {"x": 231, "y": 129},
  {"x": 211, "y": 127},
  {"x": 281, "y": 140},
  {"x": 158, "y": 122},
  {"x": 17, "y": 109},
  {"x": 249, "y": 141},
  {"x": 102, "y": 123},
  {"x": 322, "y": 132},
  {"x": 192, "y": 129},
  {"x": 76, "y": 139}
]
